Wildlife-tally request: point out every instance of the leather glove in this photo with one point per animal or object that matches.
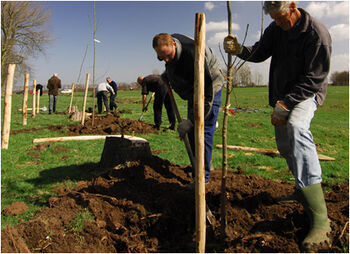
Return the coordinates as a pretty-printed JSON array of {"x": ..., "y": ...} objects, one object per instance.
[
  {"x": 280, "y": 114},
  {"x": 184, "y": 127},
  {"x": 231, "y": 45}
]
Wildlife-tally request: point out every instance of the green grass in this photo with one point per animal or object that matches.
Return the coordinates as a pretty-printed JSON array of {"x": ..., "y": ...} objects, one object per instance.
[{"x": 32, "y": 176}]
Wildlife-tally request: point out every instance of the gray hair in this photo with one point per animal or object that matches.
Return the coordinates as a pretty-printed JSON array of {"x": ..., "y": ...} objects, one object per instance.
[{"x": 277, "y": 6}]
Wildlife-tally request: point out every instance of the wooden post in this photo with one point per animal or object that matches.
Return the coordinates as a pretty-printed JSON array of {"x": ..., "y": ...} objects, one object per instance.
[
  {"x": 25, "y": 99},
  {"x": 5, "y": 135},
  {"x": 199, "y": 56},
  {"x": 85, "y": 96},
  {"x": 37, "y": 102},
  {"x": 71, "y": 100},
  {"x": 34, "y": 98}
]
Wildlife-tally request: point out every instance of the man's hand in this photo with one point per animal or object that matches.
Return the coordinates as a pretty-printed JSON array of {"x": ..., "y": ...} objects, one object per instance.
[
  {"x": 184, "y": 127},
  {"x": 231, "y": 45},
  {"x": 280, "y": 114}
]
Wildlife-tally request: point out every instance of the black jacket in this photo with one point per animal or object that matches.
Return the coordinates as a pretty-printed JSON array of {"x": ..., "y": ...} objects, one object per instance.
[{"x": 300, "y": 60}]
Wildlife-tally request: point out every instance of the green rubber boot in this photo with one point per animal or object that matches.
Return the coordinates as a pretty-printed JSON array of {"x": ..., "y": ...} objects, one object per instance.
[{"x": 313, "y": 201}]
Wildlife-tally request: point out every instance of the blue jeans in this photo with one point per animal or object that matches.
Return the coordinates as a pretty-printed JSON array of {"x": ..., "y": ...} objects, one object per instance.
[
  {"x": 209, "y": 129},
  {"x": 296, "y": 145},
  {"x": 52, "y": 103}
]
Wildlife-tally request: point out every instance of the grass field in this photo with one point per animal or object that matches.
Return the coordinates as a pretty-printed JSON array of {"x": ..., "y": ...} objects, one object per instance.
[{"x": 32, "y": 176}]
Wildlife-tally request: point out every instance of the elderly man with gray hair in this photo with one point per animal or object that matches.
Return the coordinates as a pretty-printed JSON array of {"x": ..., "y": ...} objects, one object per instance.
[{"x": 300, "y": 50}]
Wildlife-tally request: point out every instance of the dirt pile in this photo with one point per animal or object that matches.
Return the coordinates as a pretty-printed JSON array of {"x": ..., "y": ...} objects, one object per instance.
[
  {"x": 111, "y": 124},
  {"x": 145, "y": 207}
]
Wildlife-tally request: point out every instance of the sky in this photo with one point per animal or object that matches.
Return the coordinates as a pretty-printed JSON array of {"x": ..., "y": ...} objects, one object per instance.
[{"x": 125, "y": 29}]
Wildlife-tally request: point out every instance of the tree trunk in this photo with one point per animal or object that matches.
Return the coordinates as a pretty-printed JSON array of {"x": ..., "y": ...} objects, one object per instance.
[{"x": 71, "y": 100}]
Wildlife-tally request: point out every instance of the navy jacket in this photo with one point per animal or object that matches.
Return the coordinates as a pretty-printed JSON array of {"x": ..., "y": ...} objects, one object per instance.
[{"x": 300, "y": 60}]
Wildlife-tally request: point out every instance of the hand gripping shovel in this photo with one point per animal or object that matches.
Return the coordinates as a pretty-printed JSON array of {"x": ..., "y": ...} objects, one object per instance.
[
  {"x": 145, "y": 108},
  {"x": 210, "y": 216}
]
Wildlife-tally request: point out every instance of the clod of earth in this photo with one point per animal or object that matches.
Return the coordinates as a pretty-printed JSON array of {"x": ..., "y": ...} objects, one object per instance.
[{"x": 144, "y": 206}]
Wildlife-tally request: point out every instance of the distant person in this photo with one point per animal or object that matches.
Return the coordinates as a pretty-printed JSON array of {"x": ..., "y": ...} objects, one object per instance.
[
  {"x": 53, "y": 85},
  {"x": 102, "y": 95},
  {"x": 300, "y": 49},
  {"x": 112, "y": 104},
  {"x": 155, "y": 84},
  {"x": 39, "y": 87}
]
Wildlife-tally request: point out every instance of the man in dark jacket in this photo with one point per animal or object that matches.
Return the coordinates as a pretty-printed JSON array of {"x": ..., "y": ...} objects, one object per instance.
[
  {"x": 178, "y": 53},
  {"x": 112, "y": 104},
  {"x": 53, "y": 85},
  {"x": 300, "y": 50},
  {"x": 155, "y": 84}
]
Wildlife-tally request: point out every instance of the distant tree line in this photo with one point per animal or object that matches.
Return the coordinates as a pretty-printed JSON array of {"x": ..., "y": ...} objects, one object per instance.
[{"x": 340, "y": 78}]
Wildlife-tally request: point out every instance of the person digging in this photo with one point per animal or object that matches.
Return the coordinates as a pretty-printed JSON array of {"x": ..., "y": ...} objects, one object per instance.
[
  {"x": 155, "y": 84},
  {"x": 300, "y": 50}
]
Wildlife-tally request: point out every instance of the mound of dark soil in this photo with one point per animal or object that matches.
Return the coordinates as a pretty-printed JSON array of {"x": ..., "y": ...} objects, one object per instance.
[
  {"x": 145, "y": 207},
  {"x": 111, "y": 124}
]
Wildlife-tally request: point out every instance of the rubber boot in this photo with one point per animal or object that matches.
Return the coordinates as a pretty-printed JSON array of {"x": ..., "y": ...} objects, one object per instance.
[{"x": 313, "y": 201}]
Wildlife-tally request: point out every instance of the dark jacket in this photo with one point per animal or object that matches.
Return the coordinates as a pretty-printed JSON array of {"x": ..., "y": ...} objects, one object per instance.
[
  {"x": 300, "y": 60},
  {"x": 53, "y": 85},
  {"x": 114, "y": 86},
  {"x": 153, "y": 83},
  {"x": 180, "y": 72}
]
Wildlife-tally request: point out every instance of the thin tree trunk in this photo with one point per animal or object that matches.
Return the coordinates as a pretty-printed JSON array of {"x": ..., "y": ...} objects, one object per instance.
[
  {"x": 223, "y": 221},
  {"x": 93, "y": 71},
  {"x": 25, "y": 99},
  {"x": 5, "y": 135},
  {"x": 85, "y": 97},
  {"x": 34, "y": 98},
  {"x": 199, "y": 130}
]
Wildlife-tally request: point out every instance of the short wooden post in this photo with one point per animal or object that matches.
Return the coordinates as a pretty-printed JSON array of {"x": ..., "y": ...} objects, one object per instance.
[
  {"x": 25, "y": 99},
  {"x": 71, "y": 100},
  {"x": 85, "y": 96},
  {"x": 198, "y": 99},
  {"x": 34, "y": 98},
  {"x": 5, "y": 135},
  {"x": 38, "y": 102}
]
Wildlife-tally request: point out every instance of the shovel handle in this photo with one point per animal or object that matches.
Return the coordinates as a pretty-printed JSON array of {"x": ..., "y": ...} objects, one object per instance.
[{"x": 179, "y": 119}]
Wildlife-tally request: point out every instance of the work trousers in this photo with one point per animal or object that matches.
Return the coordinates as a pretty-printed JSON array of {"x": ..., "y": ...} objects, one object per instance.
[
  {"x": 162, "y": 97},
  {"x": 112, "y": 104},
  {"x": 102, "y": 96},
  {"x": 52, "y": 103},
  {"x": 295, "y": 143},
  {"x": 209, "y": 129}
]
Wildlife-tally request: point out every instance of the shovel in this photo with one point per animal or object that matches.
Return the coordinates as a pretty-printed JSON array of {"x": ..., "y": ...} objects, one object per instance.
[
  {"x": 210, "y": 216},
  {"x": 145, "y": 108}
]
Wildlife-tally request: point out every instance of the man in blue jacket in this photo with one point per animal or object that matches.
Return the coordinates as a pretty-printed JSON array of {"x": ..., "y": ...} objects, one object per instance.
[
  {"x": 300, "y": 50},
  {"x": 177, "y": 51},
  {"x": 112, "y": 104}
]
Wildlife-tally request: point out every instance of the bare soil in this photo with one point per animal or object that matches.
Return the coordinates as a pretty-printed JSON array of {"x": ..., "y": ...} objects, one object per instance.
[{"x": 144, "y": 206}]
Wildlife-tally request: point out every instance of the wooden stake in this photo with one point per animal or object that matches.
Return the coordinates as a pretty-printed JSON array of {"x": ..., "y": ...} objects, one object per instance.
[
  {"x": 198, "y": 101},
  {"x": 71, "y": 100},
  {"x": 5, "y": 135},
  {"x": 37, "y": 102},
  {"x": 80, "y": 138},
  {"x": 85, "y": 97},
  {"x": 34, "y": 98},
  {"x": 269, "y": 151},
  {"x": 25, "y": 99}
]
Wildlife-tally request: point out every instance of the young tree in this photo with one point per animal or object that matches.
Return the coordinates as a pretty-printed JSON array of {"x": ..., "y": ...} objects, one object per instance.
[{"x": 23, "y": 34}]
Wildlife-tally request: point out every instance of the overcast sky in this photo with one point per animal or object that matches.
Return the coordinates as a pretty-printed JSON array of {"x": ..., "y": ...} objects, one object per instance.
[{"x": 125, "y": 30}]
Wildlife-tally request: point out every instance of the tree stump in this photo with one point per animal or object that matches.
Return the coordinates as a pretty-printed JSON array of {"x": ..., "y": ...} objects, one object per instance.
[
  {"x": 75, "y": 115},
  {"x": 118, "y": 150}
]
